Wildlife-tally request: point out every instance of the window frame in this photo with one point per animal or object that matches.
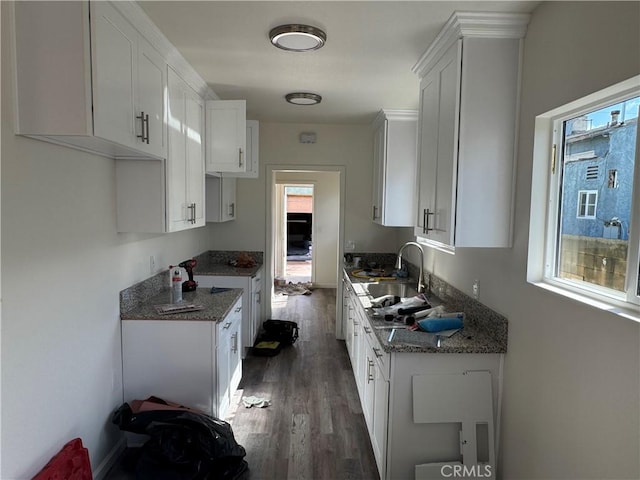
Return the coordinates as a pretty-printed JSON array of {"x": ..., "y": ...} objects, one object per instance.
[
  {"x": 587, "y": 194},
  {"x": 545, "y": 207}
]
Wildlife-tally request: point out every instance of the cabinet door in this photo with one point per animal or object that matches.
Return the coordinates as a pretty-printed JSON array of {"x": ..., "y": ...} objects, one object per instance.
[
  {"x": 151, "y": 82},
  {"x": 439, "y": 149},
  {"x": 250, "y": 334},
  {"x": 226, "y": 136},
  {"x": 223, "y": 360},
  {"x": 380, "y": 418},
  {"x": 176, "y": 159},
  {"x": 235, "y": 354},
  {"x": 379, "y": 153},
  {"x": 170, "y": 359},
  {"x": 114, "y": 52},
  {"x": 368, "y": 395},
  {"x": 252, "y": 149},
  {"x": 185, "y": 167},
  {"x": 195, "y": 159},
  {"x": 221, "y": 199}
]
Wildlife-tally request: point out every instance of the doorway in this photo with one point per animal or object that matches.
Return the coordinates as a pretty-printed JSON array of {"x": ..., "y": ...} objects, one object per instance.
[
  {"x": 298, "y": 234},
  {"x": 321, "y": 230}
]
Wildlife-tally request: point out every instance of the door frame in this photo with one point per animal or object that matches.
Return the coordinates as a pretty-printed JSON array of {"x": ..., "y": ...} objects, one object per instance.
[{"x": 271, "y": 192}]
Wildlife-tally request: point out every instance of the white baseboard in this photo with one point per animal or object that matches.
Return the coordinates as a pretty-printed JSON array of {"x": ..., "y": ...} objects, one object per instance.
[{"x": 110, "y": 460}]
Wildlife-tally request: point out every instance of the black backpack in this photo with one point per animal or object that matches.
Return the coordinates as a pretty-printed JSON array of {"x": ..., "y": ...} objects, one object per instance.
[{"x": 283, "y": 331}]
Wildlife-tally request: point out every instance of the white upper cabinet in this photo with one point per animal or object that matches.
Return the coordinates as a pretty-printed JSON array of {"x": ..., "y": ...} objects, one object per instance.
[
  {"x": 469, "y": 89},
  {"x": 226, "y": 124},
  {"x": 221, "y": 198},
  {"x": 252, "y": 149},
  {"x": 160, "y": 196},
  {"x": 394, "y": 167},
  {"x": 88, "y": 81},
  {"x": 185, "y": 163}
]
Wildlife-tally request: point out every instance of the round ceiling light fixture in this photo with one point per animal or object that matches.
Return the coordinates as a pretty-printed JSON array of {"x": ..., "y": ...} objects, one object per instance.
[
  {"x": 297, "y": 38},
  {"x": 303, "y": 98}
]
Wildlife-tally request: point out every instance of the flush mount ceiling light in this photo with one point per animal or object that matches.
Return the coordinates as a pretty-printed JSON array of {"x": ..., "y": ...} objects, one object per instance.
[
  {"x": 297, "y": 38},
  {"x": 303, "y": 98}
]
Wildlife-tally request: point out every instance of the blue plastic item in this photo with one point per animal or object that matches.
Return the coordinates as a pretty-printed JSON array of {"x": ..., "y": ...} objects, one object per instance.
[{"x": 434, "y": 325}]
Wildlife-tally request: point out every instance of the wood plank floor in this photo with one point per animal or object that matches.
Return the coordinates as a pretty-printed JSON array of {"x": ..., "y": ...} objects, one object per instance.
[{"x": 314, "y": 428}]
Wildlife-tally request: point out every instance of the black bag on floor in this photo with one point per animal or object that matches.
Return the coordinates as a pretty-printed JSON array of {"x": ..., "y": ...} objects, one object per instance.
[
  {"x": 184, "y": 445},
  {"x": 283, "y": 331}
]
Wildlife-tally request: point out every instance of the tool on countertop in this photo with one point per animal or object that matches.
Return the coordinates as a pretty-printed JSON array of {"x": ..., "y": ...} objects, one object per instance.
[
  {"x": 219, "y": 289},
  {"x": 189, "y": 285}
]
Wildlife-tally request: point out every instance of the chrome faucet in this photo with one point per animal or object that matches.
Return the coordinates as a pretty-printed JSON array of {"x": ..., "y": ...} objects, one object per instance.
[{"x": 399, "y": 263}]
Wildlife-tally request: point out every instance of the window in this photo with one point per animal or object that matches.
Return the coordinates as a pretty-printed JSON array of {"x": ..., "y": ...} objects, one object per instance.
[
  {"x": 587, "y": 201},
  {"x": 584, "y": 239}
]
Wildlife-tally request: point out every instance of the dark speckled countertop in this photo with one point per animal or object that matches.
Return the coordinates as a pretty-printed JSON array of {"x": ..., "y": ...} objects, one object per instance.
[
  {"x": 216, "y": 306},
  {"x": 217, "y": 263},
  {"x": 484, "y": 331}
]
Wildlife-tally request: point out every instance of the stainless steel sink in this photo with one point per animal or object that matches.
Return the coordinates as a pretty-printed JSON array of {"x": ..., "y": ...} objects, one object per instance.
[{"x": 399, "y": 289}]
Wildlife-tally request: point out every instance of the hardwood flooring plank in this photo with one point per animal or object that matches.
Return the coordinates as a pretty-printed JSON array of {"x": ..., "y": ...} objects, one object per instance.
[{"x": 300, "y": 448}]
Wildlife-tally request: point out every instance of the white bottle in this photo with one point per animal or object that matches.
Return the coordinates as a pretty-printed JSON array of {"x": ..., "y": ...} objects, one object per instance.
[{"x": 176, "y": 285}]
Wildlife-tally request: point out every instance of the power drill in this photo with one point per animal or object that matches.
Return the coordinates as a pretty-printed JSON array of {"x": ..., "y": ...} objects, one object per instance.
[{"x": 189, "y": 285}]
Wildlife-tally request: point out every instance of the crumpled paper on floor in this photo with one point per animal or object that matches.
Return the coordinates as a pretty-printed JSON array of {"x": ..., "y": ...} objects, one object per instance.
[{"x": 255, "y": 402}]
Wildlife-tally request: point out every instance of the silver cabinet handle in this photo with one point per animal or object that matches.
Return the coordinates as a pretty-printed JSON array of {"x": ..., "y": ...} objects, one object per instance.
[
  {"x": 231, "y": 210},
  {"x": 367, "y": 330},
  {"x": 239, "y": 309},
  {"x": 425, "y": 220},
  {"x": 240, "y": 157},
  {"x": 377, "y": 352},
  {"x": 369, "y": 374},
  {"x": 192, "y": 215},
  {"x": 226, "y": 326},
  {"x": 258, "y": 297},
  {"x": 144, "y": 122},
  {"x": 234, "y": 347},
  {"x": 374, "y": 212}
]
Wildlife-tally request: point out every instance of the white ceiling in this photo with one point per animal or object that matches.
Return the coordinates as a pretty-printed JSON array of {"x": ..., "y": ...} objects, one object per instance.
[{"x": 364, "y": 66}]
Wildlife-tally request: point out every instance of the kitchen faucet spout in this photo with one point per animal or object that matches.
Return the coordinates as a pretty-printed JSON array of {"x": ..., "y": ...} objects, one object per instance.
[{"x": 399, "y": 263}]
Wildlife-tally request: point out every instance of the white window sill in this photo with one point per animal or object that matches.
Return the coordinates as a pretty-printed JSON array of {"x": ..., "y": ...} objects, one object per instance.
[{"x": 627, "y": 310}]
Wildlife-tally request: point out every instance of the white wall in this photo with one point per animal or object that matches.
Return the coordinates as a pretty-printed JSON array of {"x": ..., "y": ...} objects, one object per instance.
[
  {"x": 63, "y": 265},
  {"x": 571, "y": 389},
  {"x": 326, "y": 219},
  {"x": 350, "y": 146}
]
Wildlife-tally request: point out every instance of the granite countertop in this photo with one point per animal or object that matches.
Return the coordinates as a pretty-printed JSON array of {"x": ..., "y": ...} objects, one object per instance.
[
  {"x": 214, "y": 263},
  {"x": 475, "y": 337},
  {"x": 216, "y": 305}
]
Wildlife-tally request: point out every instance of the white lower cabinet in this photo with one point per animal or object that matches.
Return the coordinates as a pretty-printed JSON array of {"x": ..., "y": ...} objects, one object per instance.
[
  {"x": 251, "y": 300},
  {"x": 195, "y": 363},
  {"x": 229, "y": 358},
  {"x": 423, "y": 408}
]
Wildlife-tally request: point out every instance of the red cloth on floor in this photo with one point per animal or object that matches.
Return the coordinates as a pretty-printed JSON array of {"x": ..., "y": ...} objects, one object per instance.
[{"x": 71, "y": 463}]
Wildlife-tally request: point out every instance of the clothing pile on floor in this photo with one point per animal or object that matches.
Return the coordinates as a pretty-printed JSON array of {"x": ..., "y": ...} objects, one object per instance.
[{"x": 300, "y": 288}]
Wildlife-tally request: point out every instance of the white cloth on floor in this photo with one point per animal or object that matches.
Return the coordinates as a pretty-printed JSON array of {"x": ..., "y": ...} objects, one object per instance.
[{"x": 255, "y": 402}]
